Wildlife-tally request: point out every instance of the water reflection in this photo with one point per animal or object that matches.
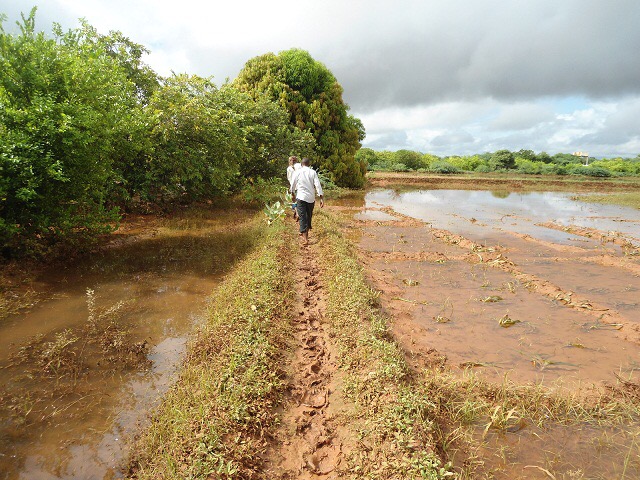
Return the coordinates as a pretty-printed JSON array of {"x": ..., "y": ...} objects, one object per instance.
[
  {"x": 453, "y": 210},
  {"x": 72, "y": 421}
]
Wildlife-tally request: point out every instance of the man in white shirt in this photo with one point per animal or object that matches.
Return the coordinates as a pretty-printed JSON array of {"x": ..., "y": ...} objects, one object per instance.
[
  {"x": 304, "y": 186},
  {"x": 294, "y": 165}
]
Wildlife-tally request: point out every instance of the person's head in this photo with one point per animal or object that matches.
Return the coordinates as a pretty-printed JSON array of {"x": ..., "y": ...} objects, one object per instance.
[
  {"x": 292, "y": 159},
  {"x": 305, "y": 162}
]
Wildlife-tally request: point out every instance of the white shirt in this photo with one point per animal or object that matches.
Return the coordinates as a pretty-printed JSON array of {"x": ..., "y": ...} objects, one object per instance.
[
  {"x": 291, "y": 169},
  {"x": 305, "y": 184}
]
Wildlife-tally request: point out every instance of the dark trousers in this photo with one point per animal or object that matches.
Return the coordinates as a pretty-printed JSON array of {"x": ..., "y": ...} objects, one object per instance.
[{"x": 305, "y": 212}]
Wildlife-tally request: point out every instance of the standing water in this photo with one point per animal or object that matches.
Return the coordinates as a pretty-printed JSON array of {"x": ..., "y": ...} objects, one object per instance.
[{"x": 80, "y": 370}]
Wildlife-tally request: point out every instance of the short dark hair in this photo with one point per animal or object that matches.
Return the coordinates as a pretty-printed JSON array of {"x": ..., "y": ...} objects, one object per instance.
[{"x": 305, "y": 161}]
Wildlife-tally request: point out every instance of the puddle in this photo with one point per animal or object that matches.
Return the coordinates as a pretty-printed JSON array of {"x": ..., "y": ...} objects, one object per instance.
[
  {"x": 81, "y": 370},
  {"x": 471, "y": 213},
  {"x": 571, "y": 452}
]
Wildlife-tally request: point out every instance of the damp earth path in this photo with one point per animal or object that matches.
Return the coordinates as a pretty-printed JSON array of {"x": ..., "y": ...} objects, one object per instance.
[{"x": 308, "y": 443}]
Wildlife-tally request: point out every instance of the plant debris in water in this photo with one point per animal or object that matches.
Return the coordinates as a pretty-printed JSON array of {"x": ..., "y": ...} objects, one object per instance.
[
  {"x": 102, "y": 346},
  {"x": 542, "y": 362},
  {"x": 506, "y": 321},
  {"x": 492, "y": 299}
]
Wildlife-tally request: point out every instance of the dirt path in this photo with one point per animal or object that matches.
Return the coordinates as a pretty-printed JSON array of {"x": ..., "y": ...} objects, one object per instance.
[{"x": 307, "y": 445}]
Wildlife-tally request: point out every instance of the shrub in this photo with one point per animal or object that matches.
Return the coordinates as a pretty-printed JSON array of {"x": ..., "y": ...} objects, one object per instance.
[
  {"x": 444, "y": 167},
  {"x": 483, "y": 168},
  {"x": 591, "y": 171}
]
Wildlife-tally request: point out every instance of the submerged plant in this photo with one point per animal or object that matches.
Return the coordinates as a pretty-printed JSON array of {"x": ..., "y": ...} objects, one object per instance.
[
  {"x": 491, "y": 299},
  {"x": 541, "y": 362},
  {"x": 506, "y": 321}
]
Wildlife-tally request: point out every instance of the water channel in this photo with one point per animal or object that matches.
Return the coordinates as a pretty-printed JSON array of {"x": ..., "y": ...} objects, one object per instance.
[{"x": 81, "y": 369}]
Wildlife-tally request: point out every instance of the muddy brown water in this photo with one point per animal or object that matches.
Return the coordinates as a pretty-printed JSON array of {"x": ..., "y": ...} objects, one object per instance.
[
  {"x": 446, "y": 301},
  {"x": 72, "y": 413},
  {"x": 563, "y": 274}
]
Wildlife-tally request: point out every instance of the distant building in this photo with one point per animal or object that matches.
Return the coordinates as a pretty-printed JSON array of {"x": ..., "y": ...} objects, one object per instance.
[{"x": 582, "y": 155}]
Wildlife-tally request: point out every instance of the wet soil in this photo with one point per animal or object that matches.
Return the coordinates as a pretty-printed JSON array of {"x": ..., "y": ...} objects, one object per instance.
[
  {"x": 101, "y": 340},
  {"x": 309, "y": 443},
  {"x": 571, "y": 294},
  {"x": 535, "y": 288}
]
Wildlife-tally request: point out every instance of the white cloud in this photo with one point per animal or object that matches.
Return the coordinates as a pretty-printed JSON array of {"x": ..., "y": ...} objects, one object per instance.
[{"x": 452, "y": 77}]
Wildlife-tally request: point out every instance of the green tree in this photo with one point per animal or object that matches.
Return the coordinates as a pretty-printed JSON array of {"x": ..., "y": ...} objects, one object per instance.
[
  {"x": 198, "y": 146},
  {"x": 66, "y": 109},
  {"x": 411, "y": 160},
  {"x": 268, "y": 138},
  {"x": 502, "y": 160},
  {"x": 367, "y": 156},
  {"x": 313, "y": 98}
]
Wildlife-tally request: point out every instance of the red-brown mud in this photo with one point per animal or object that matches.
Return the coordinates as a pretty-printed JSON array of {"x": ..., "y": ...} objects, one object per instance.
[
  {"x": 516, "y": 297},
  {"x": 309, "y": 444},
  {"x": 574, "y": 308}
]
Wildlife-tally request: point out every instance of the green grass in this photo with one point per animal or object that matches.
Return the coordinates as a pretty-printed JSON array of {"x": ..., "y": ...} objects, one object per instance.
[
  {"x": 212, "y": 423},
  {"x": 625, "y": 199},
  {"x": 387, "y": 415}
]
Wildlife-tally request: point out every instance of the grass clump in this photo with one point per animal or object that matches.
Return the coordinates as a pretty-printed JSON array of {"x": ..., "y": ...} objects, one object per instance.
[
  {"x": 388, "y": 417},
  {"x": 214, "y": 420}
]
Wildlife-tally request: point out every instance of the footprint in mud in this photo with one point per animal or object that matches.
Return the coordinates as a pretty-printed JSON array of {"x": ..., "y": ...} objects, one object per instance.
[
  {"x": 315, "y": 398},
  {"x": 324, "y": 460}
]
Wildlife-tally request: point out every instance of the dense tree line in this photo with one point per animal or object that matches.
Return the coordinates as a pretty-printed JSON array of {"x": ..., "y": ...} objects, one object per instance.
[
  {"x": 88, "y": 130},
  {"x": 522, "y": 161}
]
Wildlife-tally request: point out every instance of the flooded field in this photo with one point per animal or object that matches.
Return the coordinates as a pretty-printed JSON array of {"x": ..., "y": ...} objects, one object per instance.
[
  {"x": 536, "y": 288},
  {"x": 81, "y": 369}
]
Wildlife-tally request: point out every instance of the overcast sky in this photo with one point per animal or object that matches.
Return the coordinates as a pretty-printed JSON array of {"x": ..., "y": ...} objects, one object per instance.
[{"x": 446, "y": 77}]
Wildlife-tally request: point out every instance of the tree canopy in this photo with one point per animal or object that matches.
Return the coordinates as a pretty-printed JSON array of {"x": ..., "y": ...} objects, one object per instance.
[
  {"x": 313, "y": 98},
  {"x": 87, "y": 130}
]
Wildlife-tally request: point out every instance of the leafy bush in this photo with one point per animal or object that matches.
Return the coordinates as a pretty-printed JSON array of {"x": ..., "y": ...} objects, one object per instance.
[
  {"x": 444, "y": 167},
  {"x": 483, "y": 168},
  {"x": 591, "y": 171},
  {"x": 260, "y": 191},
  {"x": 68, "y": 110},
  {"x": 411, "y": 160},
  {"x": 529, "y": 167},
  {"x": 502, "y": 160},
  {"x": 467, "y": 163}
]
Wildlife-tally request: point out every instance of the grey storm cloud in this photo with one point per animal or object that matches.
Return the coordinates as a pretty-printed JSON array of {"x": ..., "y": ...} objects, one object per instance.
[
  {"x": 455, "y": 76},
  {"x": 429, "y": 52}
]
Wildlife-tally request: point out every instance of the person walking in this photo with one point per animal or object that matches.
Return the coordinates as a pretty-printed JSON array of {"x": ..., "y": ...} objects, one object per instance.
[
  {"x": 294, "y": 166},
  {"x": 304, "y": 186}
]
